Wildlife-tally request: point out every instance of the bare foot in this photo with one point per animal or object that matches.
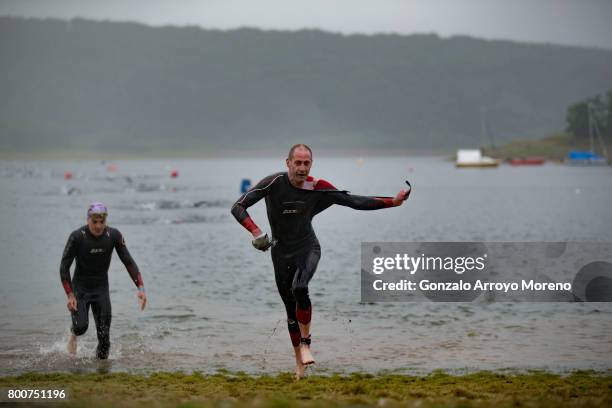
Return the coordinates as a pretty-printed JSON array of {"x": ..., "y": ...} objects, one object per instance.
[
  {"x": 72, "y": 344},
  {"x": 299, "y": 371},
  {"x": 307, "y": 357},
  {"x": 299, "y": 367}
]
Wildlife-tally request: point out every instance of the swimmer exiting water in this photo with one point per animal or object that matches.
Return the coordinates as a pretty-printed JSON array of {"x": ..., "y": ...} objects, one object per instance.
[
  {"x": 92, "y": 245},
  {"x": 292, "y": 200}
]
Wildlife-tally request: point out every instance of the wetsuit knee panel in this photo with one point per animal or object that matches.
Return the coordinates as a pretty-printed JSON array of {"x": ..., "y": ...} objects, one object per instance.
[
  {"x": 79, "y": 329},
  {"x": 301, "y": 297},
  {"x": 300, "y": 290}
]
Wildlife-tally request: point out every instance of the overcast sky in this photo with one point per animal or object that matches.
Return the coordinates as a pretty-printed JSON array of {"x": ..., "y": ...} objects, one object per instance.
[{"x": 570, "y": 22}]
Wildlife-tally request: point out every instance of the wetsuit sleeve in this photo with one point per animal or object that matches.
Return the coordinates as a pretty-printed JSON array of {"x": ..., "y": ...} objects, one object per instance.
[
  {"x": 70, "y": 252},
  {"x": 127, "y": 259},
  {"x": 357, "y": 202},
  {"x": 256, "y": 193}
]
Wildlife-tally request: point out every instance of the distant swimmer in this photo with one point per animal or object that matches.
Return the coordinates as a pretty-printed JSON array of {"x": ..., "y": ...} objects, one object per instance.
[
  {"x": 68, "y": 190},
  {"x": 293, "y": 198},
  {"x": 92, "y": 245}
]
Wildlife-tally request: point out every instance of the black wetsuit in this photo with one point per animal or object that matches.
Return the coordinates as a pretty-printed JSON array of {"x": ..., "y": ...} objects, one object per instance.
[
  {"x": 90, "y": 281},
  {"x": 296, "y": 255}
]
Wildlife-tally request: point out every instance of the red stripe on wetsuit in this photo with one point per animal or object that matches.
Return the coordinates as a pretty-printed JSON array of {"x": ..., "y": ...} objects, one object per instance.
[
  {"x": 303, "y": 315},
  {"x": 388, "y": 201},
  {"x": 295, "y": 337},
  {"x": 138, "y": 280},
  {"x": 249, "y": 224},
  {"x": 323, "y": 185},
  {"x": 67, "y": 287}
]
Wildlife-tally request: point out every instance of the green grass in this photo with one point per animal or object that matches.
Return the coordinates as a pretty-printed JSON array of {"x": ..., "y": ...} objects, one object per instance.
[{"x": 539, "y": 389}]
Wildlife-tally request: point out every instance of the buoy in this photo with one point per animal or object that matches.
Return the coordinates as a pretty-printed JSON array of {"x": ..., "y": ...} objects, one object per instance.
[
  {"x": 245, "y": 185},
  {"x": 174, "y": 173},
  {"x": 67, "y": 175}
]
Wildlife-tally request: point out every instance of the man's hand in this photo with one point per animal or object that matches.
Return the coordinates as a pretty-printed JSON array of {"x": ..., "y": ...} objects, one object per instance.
[
  {"x": 142, "y": 299},
  {"x": 262, "y": 242},
  {"x": 401, "y": 197},
  {"x": 72, "y": 303}
]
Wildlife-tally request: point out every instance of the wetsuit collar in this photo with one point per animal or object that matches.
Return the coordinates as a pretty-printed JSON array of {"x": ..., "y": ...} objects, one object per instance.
[
  {"x": 294, "y": 187},
  {"x": 290, "y": 183}
]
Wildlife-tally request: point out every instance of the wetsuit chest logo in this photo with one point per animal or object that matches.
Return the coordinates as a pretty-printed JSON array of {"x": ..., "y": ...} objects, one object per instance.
[
  {"x": 293, "y": 207},
  {"x": 96, "y": 251}
]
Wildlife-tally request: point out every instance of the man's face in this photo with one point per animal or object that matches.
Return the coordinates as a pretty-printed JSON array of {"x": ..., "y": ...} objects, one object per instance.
[
  {"x": 299, "y": 164},
  {"x": 96, "y": 224}
]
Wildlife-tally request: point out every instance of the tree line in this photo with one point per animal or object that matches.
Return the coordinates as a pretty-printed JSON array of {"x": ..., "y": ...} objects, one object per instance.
[
  {"x": 600, "y": 117},
  {"x": 82, "y": 85}
]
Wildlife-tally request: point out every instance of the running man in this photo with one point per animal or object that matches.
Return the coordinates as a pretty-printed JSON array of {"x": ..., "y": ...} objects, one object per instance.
[
  {"x": 92, "y": 246},
  {"x": 292, "y": 200}
]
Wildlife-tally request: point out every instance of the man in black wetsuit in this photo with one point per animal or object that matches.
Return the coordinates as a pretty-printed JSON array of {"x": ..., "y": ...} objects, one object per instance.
[
  {"x": 292, "y": 200},
  {"x": 92, "y": 245}
]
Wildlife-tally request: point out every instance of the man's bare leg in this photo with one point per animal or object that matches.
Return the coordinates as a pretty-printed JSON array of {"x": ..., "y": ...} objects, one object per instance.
[
  {"x": 299, "y": 367},
  {"x": 306, "y": 355},
  {"x": 72, "y": 344}
]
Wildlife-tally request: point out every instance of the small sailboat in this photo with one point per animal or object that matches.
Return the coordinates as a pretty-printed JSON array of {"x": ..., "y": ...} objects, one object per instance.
[
  {"x": 589, "y": 158},
  {"x": 581, "y": 158},
  {"x": 474, "y": 158}
]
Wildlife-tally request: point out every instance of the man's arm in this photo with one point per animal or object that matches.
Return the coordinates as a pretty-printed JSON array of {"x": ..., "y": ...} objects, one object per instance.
[
  {"x": 358, "y": 202},
  {"x": 130, "y": 265},
  {"x": 127, "y": 259},
  {"x": 70, "y": 252},
  {"x": 256, "y": 193}
]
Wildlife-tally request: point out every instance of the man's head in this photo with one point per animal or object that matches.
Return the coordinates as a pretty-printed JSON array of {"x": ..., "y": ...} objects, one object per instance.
[
  {"x": 96, "y": 218},
  {"x": 299, "y": 162}
]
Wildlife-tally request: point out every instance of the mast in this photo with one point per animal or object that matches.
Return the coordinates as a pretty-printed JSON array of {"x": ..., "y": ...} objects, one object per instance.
[
  {"x": 594, "y": 129},
  {"x": 484, "y": 127},
  {"x": 590, "y": 122}
]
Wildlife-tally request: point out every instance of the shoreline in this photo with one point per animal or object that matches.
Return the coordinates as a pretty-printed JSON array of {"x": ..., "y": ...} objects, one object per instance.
[
  {"x": 220, "y": 154},
  {"x": 553, "y": 148},
  {"x": 579, "y": 388}
]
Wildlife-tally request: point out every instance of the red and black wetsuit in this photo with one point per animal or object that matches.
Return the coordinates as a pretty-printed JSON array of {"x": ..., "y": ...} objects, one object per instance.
[
  {"x": 90, "y": 281},
  {"x": 297, "y": 252}
]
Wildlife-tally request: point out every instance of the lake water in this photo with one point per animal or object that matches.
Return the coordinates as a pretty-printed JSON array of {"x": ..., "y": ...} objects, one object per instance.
[{"x": 213, "y": 303}]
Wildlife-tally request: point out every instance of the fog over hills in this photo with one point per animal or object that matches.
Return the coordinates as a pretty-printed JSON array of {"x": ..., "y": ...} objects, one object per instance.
[{"x": 81, "y": 84}]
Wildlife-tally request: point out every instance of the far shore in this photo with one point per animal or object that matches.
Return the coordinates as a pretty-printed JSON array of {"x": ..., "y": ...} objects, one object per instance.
[
  {"x": 553, "y": 148},
  {"x": 220, "y": 154}
]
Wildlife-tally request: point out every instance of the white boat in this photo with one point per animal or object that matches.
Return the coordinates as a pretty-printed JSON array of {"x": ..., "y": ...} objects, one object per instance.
[{"x": 474, "y": 158}]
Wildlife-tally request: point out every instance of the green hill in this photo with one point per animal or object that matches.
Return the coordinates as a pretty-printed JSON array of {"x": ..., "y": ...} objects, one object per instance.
[{"x": 83, "y": 85}]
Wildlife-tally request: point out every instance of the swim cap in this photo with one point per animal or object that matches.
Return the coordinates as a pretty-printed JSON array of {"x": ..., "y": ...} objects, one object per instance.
[{"x": 97, "y": 208}]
